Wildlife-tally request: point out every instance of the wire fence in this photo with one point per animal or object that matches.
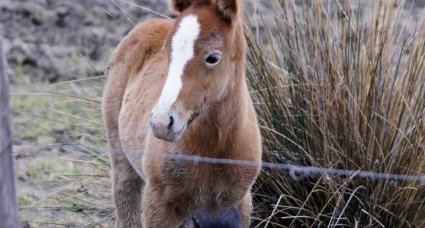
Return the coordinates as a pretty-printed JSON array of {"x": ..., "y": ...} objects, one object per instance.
[{"x": 296, "y": 172}]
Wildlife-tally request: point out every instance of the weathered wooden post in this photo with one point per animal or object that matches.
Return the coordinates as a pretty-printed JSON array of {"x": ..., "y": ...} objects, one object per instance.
[{"x": 8, "y": 203}]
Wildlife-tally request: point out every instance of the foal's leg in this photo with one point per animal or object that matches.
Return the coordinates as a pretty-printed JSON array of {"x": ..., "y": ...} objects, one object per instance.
[
  {"x": 245, "y": 209},
  {"x": 127, "y": 185},
  {"x": 127, "y": 190},
  {"x": 158, "y": 213}
]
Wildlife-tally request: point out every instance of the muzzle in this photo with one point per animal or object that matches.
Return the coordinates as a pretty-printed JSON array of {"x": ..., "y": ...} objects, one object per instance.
[{"x": 167, "y": 125}]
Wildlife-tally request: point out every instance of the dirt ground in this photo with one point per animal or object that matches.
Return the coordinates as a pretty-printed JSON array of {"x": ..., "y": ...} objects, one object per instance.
[{"x": 52, "y": 46}]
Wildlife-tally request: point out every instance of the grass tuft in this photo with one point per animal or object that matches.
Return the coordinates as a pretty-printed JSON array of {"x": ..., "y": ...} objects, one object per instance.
[{"x": 336, "y": 89}]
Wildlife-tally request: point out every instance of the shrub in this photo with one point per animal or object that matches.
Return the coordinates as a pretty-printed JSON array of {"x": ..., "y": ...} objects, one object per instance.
[{"x": 337, "y": 89}]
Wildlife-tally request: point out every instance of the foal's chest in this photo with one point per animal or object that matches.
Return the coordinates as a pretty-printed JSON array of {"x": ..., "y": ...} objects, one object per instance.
[
  {"x": 203, "y": 184},
  {"x": 187, "y": 173},
  {"x": 181, "y": 168}
]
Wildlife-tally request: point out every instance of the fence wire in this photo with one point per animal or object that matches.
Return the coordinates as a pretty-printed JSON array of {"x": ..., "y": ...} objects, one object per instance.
[{"x": 296, "y": 172}]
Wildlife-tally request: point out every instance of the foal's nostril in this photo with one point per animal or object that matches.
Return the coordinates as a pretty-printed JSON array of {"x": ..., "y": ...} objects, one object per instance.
[{"x": 170, "y": 125}]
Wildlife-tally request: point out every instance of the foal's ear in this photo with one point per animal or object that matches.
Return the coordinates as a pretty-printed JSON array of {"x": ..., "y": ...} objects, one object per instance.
[
  {"x": 228, "y": 8},
  {"x": 180, "y": 5}
]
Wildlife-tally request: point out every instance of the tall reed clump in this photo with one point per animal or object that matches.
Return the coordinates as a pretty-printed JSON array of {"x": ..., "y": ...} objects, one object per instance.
[{"x": 338, "y": 89}]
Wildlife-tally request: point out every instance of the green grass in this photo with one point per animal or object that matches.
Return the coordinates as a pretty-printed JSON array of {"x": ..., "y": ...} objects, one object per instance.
[{"x": 62, "y": 165}]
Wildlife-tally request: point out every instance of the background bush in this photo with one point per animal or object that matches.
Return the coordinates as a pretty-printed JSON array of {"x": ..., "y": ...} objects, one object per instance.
[{"x": 336, "y": 89}]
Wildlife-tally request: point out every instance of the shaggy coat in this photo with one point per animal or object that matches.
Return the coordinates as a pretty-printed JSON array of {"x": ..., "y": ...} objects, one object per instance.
[{"x": 149, "y": 188}]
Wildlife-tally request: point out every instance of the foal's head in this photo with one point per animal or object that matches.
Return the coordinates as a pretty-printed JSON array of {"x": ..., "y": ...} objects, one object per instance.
[{"x": 203, "y": 46}]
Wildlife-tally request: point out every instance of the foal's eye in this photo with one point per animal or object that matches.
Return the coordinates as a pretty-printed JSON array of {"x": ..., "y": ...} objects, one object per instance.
[{"x": 212, "y": 58}]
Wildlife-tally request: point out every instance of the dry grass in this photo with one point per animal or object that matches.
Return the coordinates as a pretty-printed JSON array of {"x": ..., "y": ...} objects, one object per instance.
[
  {"x": 63, "y": 180},
  {"x": 335, "y": 89}
]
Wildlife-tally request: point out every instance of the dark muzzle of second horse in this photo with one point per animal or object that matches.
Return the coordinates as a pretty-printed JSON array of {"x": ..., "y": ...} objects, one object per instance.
[{"x": 224, "y": 219}]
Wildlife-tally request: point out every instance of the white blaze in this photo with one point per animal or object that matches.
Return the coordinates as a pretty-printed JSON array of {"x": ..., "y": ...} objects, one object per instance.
[{"x": 182, "y": 50}]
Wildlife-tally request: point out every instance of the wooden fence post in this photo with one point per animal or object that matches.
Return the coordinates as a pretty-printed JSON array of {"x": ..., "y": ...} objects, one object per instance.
[{"x": 8, "y": 203}]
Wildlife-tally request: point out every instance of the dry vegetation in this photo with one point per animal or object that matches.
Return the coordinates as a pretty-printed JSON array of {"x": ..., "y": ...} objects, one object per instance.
[
  {"x": 332, "y": 89},
  {"x": 339, "y": 90}
]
